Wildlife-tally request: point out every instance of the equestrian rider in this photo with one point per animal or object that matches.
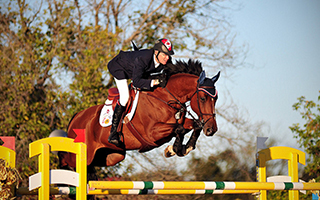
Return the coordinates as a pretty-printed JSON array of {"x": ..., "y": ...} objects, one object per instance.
[{"x": 136, "y": 65}]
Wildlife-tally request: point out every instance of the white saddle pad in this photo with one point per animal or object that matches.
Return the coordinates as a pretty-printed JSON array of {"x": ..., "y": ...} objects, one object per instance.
[{"x": 107, "y": 112}]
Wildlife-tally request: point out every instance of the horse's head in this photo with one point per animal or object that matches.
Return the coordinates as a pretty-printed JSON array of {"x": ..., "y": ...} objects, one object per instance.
[{"x": 203, "y": 103}]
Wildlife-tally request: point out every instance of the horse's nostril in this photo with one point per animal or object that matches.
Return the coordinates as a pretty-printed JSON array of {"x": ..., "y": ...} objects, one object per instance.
[{"x": 209, "y": 131}]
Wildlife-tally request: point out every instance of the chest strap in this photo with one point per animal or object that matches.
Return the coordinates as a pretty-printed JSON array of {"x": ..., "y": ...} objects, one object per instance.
[{"x": 146, "y": 145}]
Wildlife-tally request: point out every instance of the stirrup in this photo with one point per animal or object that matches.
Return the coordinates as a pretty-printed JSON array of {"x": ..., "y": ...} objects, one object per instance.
[{"x": 115, "y": 139}]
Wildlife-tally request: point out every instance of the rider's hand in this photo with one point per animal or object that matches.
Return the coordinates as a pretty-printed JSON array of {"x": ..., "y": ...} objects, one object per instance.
[
  {"x": 155, "y": 82},
  {"x": 163, "y": 81}
]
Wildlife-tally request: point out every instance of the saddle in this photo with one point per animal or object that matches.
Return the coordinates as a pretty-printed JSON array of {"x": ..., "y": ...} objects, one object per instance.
[
  {"x": 107, "y": 112},
  {"x": 112, "y": 99}
]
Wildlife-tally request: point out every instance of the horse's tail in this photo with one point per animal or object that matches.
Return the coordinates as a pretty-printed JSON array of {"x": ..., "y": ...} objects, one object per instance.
[{"x": 71, "y": 120}]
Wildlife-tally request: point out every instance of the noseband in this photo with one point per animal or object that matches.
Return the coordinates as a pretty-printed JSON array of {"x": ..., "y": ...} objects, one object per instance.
[
  {"x": 201, "y": 121},
  {"x": 183, "y": 108}
]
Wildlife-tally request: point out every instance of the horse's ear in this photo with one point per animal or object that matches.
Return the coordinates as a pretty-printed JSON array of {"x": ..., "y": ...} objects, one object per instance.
[
  {"x": 135, "y": 48},
  {"x": 202, "y": 77},
  {"x": 216, "y": 77}
]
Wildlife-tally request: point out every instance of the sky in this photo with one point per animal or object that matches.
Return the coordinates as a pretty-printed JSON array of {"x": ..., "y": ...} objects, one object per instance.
[{"x": 284, "y": 48}]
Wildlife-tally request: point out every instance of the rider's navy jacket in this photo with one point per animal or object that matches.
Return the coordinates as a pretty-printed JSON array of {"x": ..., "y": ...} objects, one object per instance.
[{"x": 134, "y": 65}]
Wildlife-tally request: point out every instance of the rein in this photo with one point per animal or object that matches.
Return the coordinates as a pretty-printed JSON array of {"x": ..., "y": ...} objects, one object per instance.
[
  {"x": 183, "y": 108},
  {"x": 171, "y": 102}
]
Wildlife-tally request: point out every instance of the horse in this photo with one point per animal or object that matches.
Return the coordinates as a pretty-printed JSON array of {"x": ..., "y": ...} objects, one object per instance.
[{"x": 160, "y": 115}]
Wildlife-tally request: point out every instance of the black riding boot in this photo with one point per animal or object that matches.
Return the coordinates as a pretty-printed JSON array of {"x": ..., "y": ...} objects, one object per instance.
[{"x": 114, "y": 137}]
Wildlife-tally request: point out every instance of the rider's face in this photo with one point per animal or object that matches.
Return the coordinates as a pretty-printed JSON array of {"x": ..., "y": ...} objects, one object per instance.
[{"x": 163, "y": 58}]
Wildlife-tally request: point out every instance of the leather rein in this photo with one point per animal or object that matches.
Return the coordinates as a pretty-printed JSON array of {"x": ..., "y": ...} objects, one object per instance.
[
  {"x": 200, "y": 122},
  {"x": 183, "y": 108}
]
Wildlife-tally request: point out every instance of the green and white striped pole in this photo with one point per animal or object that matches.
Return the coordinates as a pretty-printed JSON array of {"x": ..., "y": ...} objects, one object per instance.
[{"x": 202, "y": 185}]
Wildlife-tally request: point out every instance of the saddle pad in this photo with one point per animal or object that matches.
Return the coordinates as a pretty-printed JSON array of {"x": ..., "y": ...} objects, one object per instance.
[{"x": 107, "y": 112}]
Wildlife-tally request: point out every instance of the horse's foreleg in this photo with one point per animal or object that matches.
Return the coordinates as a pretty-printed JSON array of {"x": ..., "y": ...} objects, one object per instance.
[
  {"x": 180, "y": 131},
  {"x": 168, "y": 152},
  {"x": 191, "y": 144}
]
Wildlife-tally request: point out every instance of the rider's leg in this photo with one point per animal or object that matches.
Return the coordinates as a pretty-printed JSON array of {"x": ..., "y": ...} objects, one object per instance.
[{"x": 122, "y": 85}]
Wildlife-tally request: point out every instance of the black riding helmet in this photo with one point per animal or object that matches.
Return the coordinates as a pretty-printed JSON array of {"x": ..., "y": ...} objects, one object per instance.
[{"x": 164, "y": 45}]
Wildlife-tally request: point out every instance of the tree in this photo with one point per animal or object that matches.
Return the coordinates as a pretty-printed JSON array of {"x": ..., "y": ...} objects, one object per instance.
[
  {"x": 309, "y": 134},
  {"x": 55, "y": 53},
  {"x": 29, "y": 95}
]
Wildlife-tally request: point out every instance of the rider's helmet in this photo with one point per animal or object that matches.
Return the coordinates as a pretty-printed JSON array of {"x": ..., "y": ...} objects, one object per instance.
[{"x": 164, "y": 45}]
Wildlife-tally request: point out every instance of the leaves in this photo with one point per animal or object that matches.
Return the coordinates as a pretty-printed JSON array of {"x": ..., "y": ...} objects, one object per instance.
[
  {"x": 309, "y": 134},
  {"x": 55, "y": 55}
]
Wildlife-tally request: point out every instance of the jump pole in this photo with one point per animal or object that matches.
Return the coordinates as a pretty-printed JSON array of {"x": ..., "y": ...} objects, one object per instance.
[
  {"x": 72, "y": 190},
  {"x": 199, "y": 185},
  {"x": 163, "y": 192}
]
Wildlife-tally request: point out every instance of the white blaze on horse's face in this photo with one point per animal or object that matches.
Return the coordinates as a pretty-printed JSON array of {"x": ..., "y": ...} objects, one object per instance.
[
  {"x": 213, "y": 107},
  {"x": 204, "y": 106}
]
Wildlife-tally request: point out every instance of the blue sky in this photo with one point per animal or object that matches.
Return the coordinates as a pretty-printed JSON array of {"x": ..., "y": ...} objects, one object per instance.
[{"x": 284, "y": 41}]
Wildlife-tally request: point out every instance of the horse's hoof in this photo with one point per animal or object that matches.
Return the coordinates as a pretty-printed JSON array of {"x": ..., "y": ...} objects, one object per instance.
[
  {"x": 186, "y": 151},
  {"x": 168, "y": 152}
]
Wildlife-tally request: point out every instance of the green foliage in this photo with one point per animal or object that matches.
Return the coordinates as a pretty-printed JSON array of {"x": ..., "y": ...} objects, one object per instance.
[
  {"x": 309, "y": 134},
  {"x": 284, "y": 195},
  {"x": 54, "y": 56}
]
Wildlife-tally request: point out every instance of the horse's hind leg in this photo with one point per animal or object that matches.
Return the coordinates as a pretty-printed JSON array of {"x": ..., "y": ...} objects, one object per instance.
[
  {"x": 108, "y": 157},
  {"x": 114, "y": 158},
  {"x": 63, "y": 164},
  {"x": 91, "y": 173},
  {"x": 91, "y": 176},
  {"x": 63, "y": 158}
]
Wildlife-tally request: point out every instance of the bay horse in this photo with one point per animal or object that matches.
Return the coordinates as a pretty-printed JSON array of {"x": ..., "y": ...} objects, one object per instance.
[{"x": 160, "y": 115}]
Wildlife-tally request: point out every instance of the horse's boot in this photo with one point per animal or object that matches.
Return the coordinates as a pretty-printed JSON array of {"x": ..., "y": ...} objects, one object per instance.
[{"x": 114, "y": 137}]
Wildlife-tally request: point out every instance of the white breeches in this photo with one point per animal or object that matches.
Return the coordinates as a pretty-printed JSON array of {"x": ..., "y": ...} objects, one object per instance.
[{"x": 123, "y": 88}]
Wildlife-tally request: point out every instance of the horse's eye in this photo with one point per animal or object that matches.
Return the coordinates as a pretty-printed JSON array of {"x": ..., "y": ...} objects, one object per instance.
[{"x": 202, "y": 99}]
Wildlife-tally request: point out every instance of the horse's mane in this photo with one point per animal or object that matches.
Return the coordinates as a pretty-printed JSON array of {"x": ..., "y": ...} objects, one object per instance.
[{"x": 191, "y": 67}]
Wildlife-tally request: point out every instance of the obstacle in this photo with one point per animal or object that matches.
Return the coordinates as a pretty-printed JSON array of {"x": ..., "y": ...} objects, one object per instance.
[
  {"x": 44, "y": 178},
  {"x": 169, "y": 192},
  {"x": 72, "y": 191},
  {"x": 293, "y": 156},
  {"x": 7, "y": 151},
  {"x": 40, "y": 183},
  {"x": 52, "y": 191},
  {"x": 9, "y": 176},
  {"x": 212, "y": 185}
]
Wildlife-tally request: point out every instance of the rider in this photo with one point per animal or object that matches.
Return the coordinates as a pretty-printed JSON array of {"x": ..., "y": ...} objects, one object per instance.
[{"x": 136, "y": 65}]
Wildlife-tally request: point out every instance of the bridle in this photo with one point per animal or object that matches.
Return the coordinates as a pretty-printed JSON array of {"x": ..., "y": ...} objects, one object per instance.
[{"x": 200, "y": 122}]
